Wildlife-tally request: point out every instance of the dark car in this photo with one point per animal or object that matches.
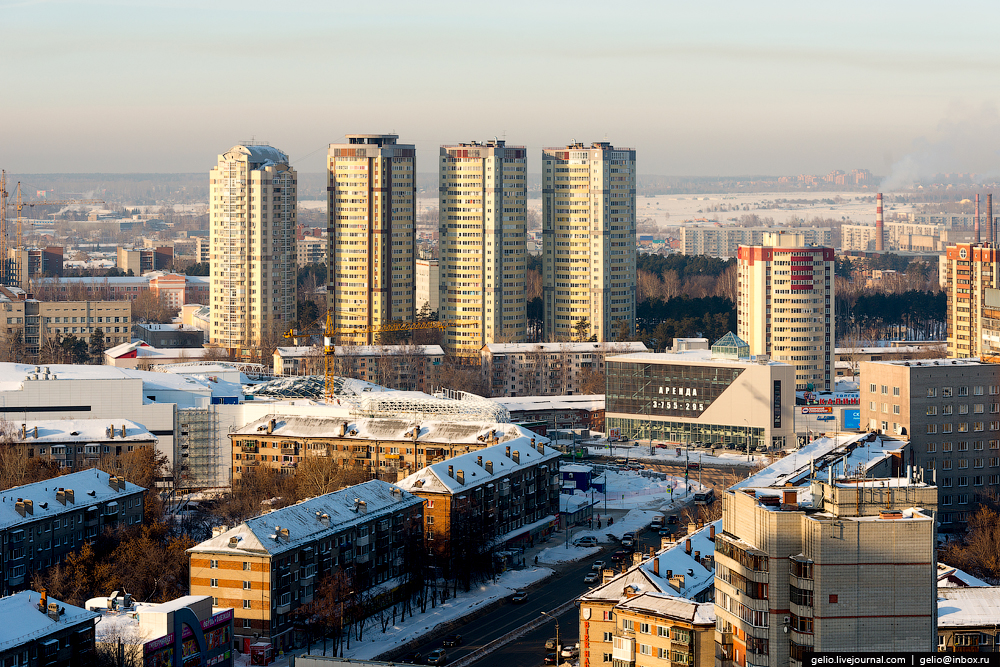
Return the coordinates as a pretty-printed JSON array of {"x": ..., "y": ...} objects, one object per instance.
[
  {"x": 619, "y": 555},
  {"x": 693, "y": 465},
  {"x": 664, "y": 532},
  {"x": 437, "y": 657},
  {"x": 412, "y": 658},
  {"x": 451, "y": 640},
  {"x": 672, "y": 519},
  {"x": 519, "y": 596},
  {"x": 551, "y": 659}
]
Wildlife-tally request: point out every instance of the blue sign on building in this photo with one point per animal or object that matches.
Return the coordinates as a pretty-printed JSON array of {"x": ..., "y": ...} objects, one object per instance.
[{"x": 852, "y": 420}]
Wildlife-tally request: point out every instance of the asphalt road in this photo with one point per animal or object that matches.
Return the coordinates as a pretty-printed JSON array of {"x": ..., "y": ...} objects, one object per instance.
[{"x": 566, "y": 584}]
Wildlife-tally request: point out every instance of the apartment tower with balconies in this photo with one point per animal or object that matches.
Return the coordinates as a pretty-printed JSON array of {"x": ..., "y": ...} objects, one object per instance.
[
  {"x": 785, "y": 306},
  {"x": 252, "y": 215},
  {"x": 483, "y": 244},
  {"x": 588, "y": 232},
  {"x": 371, "y": 231}
]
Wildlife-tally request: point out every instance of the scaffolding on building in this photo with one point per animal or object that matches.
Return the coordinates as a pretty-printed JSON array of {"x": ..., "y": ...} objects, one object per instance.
[{"x": 196, "y": 448}]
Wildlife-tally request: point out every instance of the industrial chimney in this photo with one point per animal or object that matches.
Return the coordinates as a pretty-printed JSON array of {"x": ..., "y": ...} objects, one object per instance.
[
  {"x": 990, "y": 232},
  {"x": 879, "y": 229},
  {"x": 978, "y": 238}
]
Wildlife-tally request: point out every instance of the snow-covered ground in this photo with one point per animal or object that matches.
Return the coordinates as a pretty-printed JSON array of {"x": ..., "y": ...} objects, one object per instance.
[
  {"x": 630, "y": 490},
  {"x": 633, "y": 521},
  {"x": 376, "y": 642},
  {"x": 562, "y": 554},
  {"x": 669, "y": 456}
]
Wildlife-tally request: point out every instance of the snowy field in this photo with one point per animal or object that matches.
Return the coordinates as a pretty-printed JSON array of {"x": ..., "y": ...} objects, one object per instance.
[{"x": 669, "y": 456}]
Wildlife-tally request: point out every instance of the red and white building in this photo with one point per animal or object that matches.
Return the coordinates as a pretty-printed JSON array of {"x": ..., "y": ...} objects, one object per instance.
[{"x": 786, "y": 306}]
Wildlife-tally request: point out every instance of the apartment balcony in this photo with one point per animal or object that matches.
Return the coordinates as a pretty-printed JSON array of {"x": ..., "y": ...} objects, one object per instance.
[
  {"x": 306, "y": 599},
  {"x": 283, "y": 608}
]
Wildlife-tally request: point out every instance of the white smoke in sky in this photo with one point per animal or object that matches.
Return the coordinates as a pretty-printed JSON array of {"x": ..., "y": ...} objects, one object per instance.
[{"x": 963, "y": 142}]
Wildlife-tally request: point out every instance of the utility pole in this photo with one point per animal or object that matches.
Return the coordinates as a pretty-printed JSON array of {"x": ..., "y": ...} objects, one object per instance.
[{"x": 558, "y": 649}]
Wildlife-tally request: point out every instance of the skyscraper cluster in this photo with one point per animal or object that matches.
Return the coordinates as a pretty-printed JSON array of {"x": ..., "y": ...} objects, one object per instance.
[{"x": 588, "y": 228}]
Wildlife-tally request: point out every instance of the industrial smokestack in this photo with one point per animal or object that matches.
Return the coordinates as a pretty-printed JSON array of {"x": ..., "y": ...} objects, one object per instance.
[
  {"x": 879, "y": 229},
  {"x": 990, "y": 232},
  {"x": 978, "y": 239}
]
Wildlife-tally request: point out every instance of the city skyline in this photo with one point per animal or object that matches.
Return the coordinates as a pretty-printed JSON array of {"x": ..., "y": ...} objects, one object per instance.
[{"x": 901, "y": 89}]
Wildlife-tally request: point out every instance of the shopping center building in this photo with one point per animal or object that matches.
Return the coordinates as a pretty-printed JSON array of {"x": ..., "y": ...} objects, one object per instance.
[{"x": 721, "y": 396}]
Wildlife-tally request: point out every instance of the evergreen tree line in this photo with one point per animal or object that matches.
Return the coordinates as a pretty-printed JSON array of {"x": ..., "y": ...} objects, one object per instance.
[{"x": 879, "y": 316}]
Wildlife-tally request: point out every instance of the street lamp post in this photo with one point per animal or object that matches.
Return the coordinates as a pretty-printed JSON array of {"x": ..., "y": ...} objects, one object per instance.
[
  {"x": 545, "y": 613},
  {"x": 748, "y": 438}
]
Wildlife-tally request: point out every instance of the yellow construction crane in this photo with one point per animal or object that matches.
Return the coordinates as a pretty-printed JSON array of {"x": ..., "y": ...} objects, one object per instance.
[
  {"x": 5, "y": 277},
  {"x": 330, "y": 334}
]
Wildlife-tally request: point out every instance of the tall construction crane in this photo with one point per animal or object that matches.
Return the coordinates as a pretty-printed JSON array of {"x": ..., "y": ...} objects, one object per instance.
[
  {"x": 5, "y": 265},
  {"x": 330, "y": 334}
]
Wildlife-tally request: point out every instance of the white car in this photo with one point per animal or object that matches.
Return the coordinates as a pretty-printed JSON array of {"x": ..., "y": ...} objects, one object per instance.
[
  {"x": 597, "y": 566},
  {"x": 590, "y": 578},
  {"x": 588, "y": 541}
]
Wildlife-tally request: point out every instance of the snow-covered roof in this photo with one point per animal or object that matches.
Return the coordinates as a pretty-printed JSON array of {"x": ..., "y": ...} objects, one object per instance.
[
  {"x": 12, "y": 376},
  {"x": 652, "y": 577},
  {"x": 156, "y": 326},
  {"x": 145, "y": 351},
  {"x": 444, "y": 431},
  {"x": 902, "y": 349},
  {"x": 550, "y": 348},
  {"x": 697, "y": 357},
  {"x": 952, "y": 577},
  {"x": 383, "y": 350},
  {"x": 568, "y": 503},
  {"x": 969, "y": 361},
  {"x": 671, "y": 606},
  {"x": 529, "y": 403},
  {"x": 575, "y": 467},
  {"x": 968, "y": 607},
  {"x": 90, "y": 487},
  {"x": 259, "y": 535},
  {"x": 53, "y": 431},
  {"x": 23, "y": 621},
  {"x": 298, "y": 351},
  {"x": 435, "y": 478}
]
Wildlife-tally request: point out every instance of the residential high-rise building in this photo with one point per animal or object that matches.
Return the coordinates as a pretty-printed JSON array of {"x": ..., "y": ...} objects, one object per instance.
[
  {"x": 852, "y": 566},
  {"x": 786, "y": 306},
  {"x": 588, "y": 232},
  {"x": 372, "y": 188},
  {"x": 252, "y": 225},
  {"x": 482, "y": 232},
  {"x": 971, "y": 270}
]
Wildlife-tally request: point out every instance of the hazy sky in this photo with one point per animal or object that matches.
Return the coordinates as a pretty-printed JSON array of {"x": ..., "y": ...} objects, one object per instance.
[{"x": 710, "y": 88}]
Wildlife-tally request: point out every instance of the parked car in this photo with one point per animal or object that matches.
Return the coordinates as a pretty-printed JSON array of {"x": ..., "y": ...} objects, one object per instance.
[
  {"x": 590, "y": 578},
  {"x": 570, "y": 651},
  {"x": 586, "y": 541},
  {"x": 550, "y": 643},
  {"x": 411, "y": 658},
  {"x": 437, "y": 657},
  {"x": 451, "y": 640},
  {"x": 519, "y": 596},
  {"x": 597, "y": 565},
  {"x": 551, "y": 658}
]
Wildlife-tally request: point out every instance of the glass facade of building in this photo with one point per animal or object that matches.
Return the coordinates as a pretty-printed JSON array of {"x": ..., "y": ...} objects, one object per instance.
[{"x": 654, "y": 393}]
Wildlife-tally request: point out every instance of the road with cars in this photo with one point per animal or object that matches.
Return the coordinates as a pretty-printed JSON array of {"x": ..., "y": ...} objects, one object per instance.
[{"x": 566, "y": 584}]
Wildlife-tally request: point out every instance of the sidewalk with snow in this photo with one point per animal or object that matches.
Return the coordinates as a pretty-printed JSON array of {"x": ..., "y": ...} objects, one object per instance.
[{"x": 395, "y": 637}]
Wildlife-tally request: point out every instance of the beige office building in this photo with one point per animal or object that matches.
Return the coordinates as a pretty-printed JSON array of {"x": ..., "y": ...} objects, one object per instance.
[
  {"x": 252, "y": 219},
  {"x": 428, "y": 278},
  {"x": 786, "y": 306},
  {"x": 482, "y": 231},
  {"x": 371, "y": 233},
  {"x": 851, "y": 567},
  {"x": 588, "y": 232}
]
